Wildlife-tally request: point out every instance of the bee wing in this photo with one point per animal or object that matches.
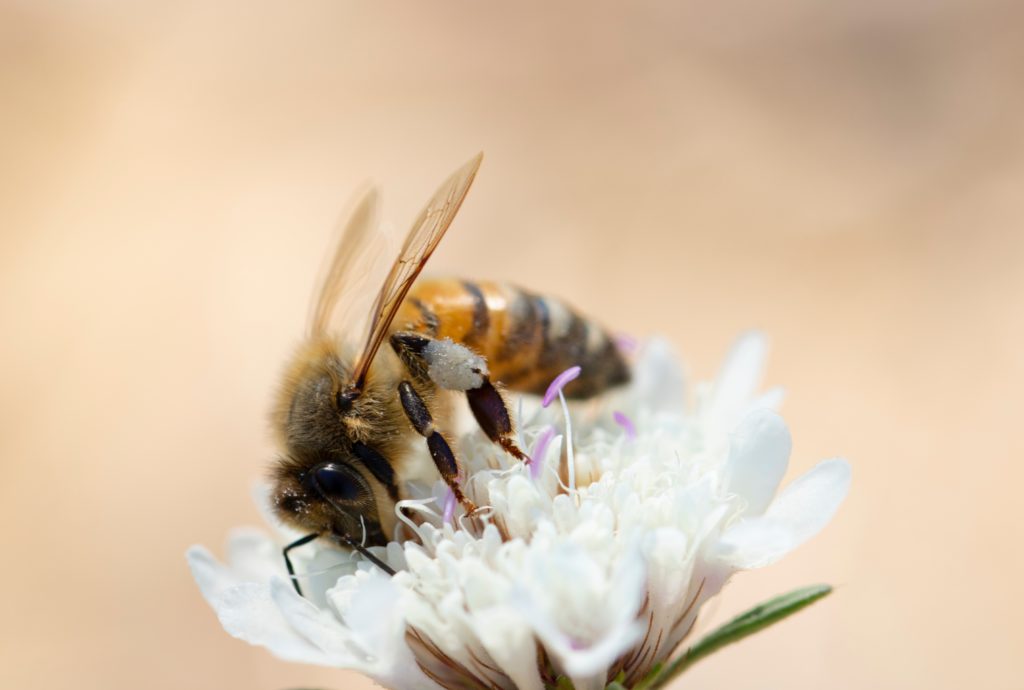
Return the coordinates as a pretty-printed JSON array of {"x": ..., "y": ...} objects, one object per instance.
[
  {"x": 359, "y": 249},
  {"x": 420, "y": 243}
]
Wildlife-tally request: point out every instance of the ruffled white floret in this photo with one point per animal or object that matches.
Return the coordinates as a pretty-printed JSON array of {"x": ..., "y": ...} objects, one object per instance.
[{"x": 588, "y": 583}]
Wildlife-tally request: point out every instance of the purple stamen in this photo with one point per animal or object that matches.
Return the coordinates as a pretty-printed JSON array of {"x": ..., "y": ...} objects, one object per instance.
[
  {"x": 626, "y": 423},
  {"x": 449, "y": 507},
  {"x": 626, "y": 343},
  {"x": 540, "y": 449},
  {"x": 559, "y": 383}
]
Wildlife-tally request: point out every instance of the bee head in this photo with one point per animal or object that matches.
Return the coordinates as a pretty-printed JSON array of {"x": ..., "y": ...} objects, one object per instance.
[
  {"x": 334, "y": 476},
  {"x": 329, "y": 494}
]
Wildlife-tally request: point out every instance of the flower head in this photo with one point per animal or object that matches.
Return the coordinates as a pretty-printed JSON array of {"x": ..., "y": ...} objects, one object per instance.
[{"x": 595, "y": 577}]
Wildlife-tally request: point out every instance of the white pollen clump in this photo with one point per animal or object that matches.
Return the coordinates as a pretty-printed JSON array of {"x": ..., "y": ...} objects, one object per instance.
[{"x": 453, "y": 366}]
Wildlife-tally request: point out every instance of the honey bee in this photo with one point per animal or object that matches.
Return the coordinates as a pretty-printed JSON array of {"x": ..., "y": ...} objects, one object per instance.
[{"x": 345, "y": 416}]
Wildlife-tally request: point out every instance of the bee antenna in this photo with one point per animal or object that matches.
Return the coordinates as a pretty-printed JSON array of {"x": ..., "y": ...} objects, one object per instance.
[
  {"x": 301, "y": 541},
  {"x": 365, "y": 553},
  {"x": 288, "y": 561}
]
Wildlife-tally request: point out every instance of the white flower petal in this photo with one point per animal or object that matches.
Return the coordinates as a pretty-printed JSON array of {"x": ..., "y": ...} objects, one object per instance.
[
  {"x": 801, "y": 511},
  {"x": 754, "y": 544},
  {"x": 738, "y": 378},
  {"x": 321, "y": 571},
  {"x": 211, "y": 576},
  {"x": 811, "y": 500},
  {"x": 771, "y": 399},
  {"x": 584, "y": 614},
  {"x": 658, "y": 380},
  {"x": 373, "y": 608},
  {"x": 253, "y": 556},
  {"x": 316, "y": 625},
  {"x": 509, "y": 640},
  {"x": 246, "y": 610},
  {"x": 758, "y": 456}
]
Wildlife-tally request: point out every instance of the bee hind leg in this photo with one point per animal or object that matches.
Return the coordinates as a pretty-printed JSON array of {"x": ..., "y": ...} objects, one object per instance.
[
  {"x": 444, "y": 459},
  {"x": 454, "y": 366}
]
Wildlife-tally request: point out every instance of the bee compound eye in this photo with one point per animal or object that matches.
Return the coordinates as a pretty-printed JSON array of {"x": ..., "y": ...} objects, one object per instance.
[{"x": 339, "y": 482}]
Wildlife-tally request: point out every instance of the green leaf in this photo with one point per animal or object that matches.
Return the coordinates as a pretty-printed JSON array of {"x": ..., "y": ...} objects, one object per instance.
[{"x": 754, "y": 620}]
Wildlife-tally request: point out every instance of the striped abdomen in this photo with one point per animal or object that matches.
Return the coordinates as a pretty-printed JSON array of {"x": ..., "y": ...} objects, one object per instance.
[{"x": 527, "y": 339}]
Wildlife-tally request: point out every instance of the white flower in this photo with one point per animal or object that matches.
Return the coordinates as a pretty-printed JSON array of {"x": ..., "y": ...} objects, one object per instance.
[{"x": 586, "y": 583}]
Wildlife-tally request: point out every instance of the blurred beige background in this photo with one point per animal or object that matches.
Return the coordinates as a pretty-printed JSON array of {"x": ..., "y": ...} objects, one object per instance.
[{"x": 846, "y": 176}]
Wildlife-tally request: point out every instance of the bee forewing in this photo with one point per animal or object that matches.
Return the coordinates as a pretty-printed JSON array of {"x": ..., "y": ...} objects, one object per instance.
[{"x": 423, "y": 238}]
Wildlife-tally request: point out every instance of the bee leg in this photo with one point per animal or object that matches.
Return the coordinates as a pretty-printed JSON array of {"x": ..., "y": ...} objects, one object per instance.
[
  {"x": 450, "y": 365},
  {"x": 454, "y": 366},
  {"x": 417, "y": 412},
  {"x": 492, "y": 415}
]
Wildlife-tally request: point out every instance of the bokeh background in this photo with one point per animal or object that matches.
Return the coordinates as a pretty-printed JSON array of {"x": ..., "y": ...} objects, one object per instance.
[{"x": 846, "y": 176}]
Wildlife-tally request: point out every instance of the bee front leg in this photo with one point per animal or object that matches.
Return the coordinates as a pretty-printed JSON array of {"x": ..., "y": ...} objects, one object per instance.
[
  {"x": 444, "y": 459},
  {"x": 454, "y": 366}
]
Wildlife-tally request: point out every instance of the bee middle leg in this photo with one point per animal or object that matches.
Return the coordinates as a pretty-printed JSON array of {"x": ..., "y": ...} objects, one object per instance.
[
  {"x": 454, "y": 366},
  {"x": 444, "y": 459}
]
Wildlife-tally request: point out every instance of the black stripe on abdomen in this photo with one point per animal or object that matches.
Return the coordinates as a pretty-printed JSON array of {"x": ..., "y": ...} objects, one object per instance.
[
  {"x": 523, "y": 318},
  {"x": 427, "y": 316},
  {"x": 481, "y": 315}
]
